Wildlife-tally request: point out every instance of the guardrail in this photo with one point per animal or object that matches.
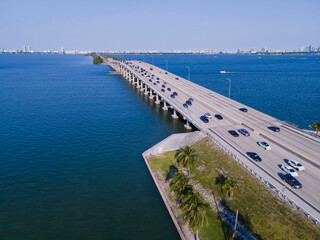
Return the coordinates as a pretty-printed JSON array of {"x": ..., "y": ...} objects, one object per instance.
[{"x": 270, "y": 185}]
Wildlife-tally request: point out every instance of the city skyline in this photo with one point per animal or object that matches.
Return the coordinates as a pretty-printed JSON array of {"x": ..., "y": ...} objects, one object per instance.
[{"x": 145, "y": 26}]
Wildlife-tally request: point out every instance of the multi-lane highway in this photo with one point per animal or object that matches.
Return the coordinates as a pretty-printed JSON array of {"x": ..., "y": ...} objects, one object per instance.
[{"x": 289, "y": 143}]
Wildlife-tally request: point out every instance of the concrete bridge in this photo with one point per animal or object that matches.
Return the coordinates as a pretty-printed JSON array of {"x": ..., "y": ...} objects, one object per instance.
[{"x": 289, "y": 143}]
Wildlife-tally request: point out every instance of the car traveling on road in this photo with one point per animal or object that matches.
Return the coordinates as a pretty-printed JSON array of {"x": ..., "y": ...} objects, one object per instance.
[
  {"x": 158, "y": 81},
  {"x": 189, "y": 102},
  {"x": 177, "y": 78},
  {"x": 162, "y": 90},
  {"x": 204, "y": 119},
  {"x": 191, "y": 99},
  {"x": 218, "y": 116},
  {"x": 244, "y": 132},
  {"x": 296, "y": 165},
  {"x": 254, "y": 156},
  {"x": 233, "y": 133},
  {"x": 154, "y": 83},
  {"x": 172, "y": 96},
  {"x": 169, "y": 89},
  {"x": 289, "y": 170},
  {"x": 243, "y": 109},
  {"x": 164, "y": 86},
  {"x": 175, "y": 93},
  {"x": 292, "y": 181},
  {"x": 208, "y": 115},
  {"x": 185, "y": 105},
  {"x": 274, "y": 128},
  {"x": 265, "y": 145}
]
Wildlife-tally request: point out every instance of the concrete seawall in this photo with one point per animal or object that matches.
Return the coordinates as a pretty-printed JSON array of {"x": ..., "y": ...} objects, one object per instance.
[{"x": 172, "y": 143}]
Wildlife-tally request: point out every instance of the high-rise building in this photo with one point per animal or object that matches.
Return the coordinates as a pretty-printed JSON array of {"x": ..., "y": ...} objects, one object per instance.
[
  {"x": 24, "y": 49},
  {"x": 29, "y": 49},
  {"x": 62, "y": 50}
]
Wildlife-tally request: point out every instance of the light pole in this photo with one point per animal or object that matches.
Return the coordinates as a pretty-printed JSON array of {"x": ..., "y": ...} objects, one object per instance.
[
  {"x": 166, "y": 65},
  {"x": 229, "y": 85},
  {"x": 188, "y": 72}
]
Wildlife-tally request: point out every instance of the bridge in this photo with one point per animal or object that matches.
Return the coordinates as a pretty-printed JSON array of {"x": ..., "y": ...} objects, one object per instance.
[{"x": 289, "y": 143}]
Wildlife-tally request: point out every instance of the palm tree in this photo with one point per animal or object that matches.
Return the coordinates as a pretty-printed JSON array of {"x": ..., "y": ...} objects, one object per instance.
[
  {"x": 187, "y": 157},
  {"x": 193, "y": 212},
  {"x": 180, "y": 185},
  {"x": 229, "y": 186},
  {"x": 316, "y": 126}
]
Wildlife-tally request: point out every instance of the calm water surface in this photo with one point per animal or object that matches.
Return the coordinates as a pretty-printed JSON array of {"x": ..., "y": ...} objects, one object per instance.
[{"x": 71, "y": 138}]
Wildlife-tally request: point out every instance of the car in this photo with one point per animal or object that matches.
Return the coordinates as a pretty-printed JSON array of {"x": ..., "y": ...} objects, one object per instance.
[
  {"x": 164, "y": 86},
  {"x": 185, "y": 105},
  {"x": 189, "y": 102},
  {"x": 150, "y": 80},
  {"x": 292, "y": 181},
  {"x": 158, "y": 78},
  {"x": 244, "y": 132},
  {"x": 274, "y": 128},
  {"x": 204, "y": 119},
  {"x": 158, "y": 81},
  {"x": 254, "y": 156},
  {"x": 169, "y": 89},
  {"x": 218, "y": 116},
  {"x": 154, "y": 83},
  {"x": 265, "y": 145},
  {"x": 164, "y": 82},
  {"x": 175, "y": 93},
  {"x": 289, "y": 170},
  {"x": 296, "y": 165},
  {"x": 177, "y": 78},
  {"x": 172, "y": 96},
  {"x": 233, "y": 133},
  {"x": 243, "y": 109},
  {"x": 208, "y": 115},
  {"x": 162, "y": 90},
  {"x": 191, "y": 99},
  {"x": 166, "y": 73},
  {"x": 151, "y": 69},
  {"x": 152, "y": 75}
]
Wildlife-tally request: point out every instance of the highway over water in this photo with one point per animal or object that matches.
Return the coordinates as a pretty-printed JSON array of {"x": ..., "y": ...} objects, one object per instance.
[{"x": 290, "y": 143}]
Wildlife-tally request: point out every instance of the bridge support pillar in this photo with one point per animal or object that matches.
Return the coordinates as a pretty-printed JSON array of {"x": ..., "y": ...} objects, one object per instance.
[
  {"x": 174, "y": 115},
  {"x": 142, "y": 88},
  {"x": 138, "y": 83},
  {"x": 157, "y": 99},
  {"x": 165, "y": 107},
  {"x": 187, "y": 126},
  {"x": 151, "y": 94}
]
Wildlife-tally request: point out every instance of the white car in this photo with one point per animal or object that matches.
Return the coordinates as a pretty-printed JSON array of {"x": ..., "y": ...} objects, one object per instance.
[
  {"x": 295, "y": 164},
  {"x": 289, "y": 170},
  {"x": 208, "y": 115},
  {"x": 265, "y": 145}
]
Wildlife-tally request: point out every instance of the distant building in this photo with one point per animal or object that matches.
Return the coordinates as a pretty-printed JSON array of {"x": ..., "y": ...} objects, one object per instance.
[
  {"x": 24, "y": 49},
  {"x": 62, "y": 50},
  {"x": 29, "y": 49}
]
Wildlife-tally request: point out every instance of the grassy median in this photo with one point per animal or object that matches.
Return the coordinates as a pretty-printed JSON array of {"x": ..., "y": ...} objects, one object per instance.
[{"x": 266, "y": 216}]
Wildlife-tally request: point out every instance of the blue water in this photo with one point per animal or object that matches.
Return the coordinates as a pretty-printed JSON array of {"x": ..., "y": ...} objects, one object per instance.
[
  {"x": 71, "y": 138},
  {"x": 286, "y": 87}
]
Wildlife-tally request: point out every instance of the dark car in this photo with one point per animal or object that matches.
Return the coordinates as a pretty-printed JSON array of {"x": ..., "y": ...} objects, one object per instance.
[
  {"x": 169, "y": 89},
  {"x": 177, "y": 78},
  {"x": 162, "y": 90},
  {"x": 218, "y": 116},
  {"x": 274, "y": 128},
  {"x": 166, "y": 72},
  {"x": 204, "y": 119},
  {"x": 164, "y": 82},
  {"x": 150, "y": 80},
  {"x": 154, "y": 83},
  {"x": 172, "y": 96},
  {"x": 185, "y": 105},
  {"x": 191, "y": 99},
  {"x": 175, "y": 93},
  {"x": 233, "y": 133},
  {"x": 158, "y": 78},
  {"x": 244, "y": 132},
  {"x": 158, "y": 81},
  {"x": 243, "y": 109},
  {"x": 163, "y": 86},
  {"x": 151, "y": 69},
  {"x": 254, "y": 156},
  {"x": 189, "y": 102},
  {"x": 292, "y": 181}
]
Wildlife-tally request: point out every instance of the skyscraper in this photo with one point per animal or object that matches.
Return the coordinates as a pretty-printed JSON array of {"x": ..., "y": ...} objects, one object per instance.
[
  {"x": 29, "y": 49},
  {"x": 24, "y": 48}
]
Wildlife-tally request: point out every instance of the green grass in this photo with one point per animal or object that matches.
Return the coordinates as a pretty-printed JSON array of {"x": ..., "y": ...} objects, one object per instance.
[{"x": 260, "y": 210}]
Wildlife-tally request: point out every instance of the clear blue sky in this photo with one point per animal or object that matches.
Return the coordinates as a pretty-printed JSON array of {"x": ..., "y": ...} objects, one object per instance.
[{"x": 159, "y": 25}]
